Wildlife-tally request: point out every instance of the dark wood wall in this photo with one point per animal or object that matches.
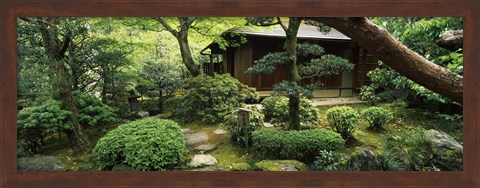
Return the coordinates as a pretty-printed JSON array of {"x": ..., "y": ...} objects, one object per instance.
[{"x": 257, "y": 47}]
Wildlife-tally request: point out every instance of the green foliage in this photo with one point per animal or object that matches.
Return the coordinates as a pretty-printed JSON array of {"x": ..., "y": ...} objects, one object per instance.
[
  {"x": 343, "y": 120},
  {"x": 328, "y": 161},
  {"x": 299, "y": 145},
  {"x": 388, "y": 162},
  {"x": 376, "y": 117},
  {"x": 241, "y": 167},
  {"x": 43, "y": 117},
  {"x": 92, "y": 111},
  {"x": 420, "y": 35},
  {"x": 276, "y": 107},
  {"x": 413, "y": 142},
  {"x": 236, "y": 131},
  {"x": 276, "y": 165},
  {"x": 147, "y": 144},
  {"x": 210, "y": 98}
]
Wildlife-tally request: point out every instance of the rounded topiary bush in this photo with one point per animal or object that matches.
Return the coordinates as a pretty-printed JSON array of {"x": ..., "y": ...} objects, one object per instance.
[
  {"x": 146, "y": 144},
  {"x": 376, "y": 117},
  {"x": 299, "y": 145},
  {"x": 210, "y": 98},
  {"x": 342, "y": 119},
  {"x": 276, "y": 108}
]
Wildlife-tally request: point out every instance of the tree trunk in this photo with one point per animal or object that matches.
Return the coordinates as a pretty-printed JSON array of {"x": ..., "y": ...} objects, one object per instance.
[
  {"x": 182, "y": 38},
  {"x": 293, "y": 76},
  {"x": 77, "y": 137},
  {"x": 56, "y": 49},
  {"x": 401, "y": 59},
  {"x": 160, "y": 101}
]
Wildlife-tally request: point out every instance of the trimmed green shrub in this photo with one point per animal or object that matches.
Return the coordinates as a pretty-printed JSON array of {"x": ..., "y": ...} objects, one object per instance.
[
  {"x": 146, "y": 144},
  {"x": 276, "y": 108},
  {"x": 35, "y": 122},
  {"x": 329, "y": 161},
  {"x": 237, "y": 132},
  {"x": 342, "y": 119},
  {"x": 376, "y": 117},
  {"x": 210, "y": 98},
  {"x": 92, "y": 111},
  {"x": 299, "y": 145}
]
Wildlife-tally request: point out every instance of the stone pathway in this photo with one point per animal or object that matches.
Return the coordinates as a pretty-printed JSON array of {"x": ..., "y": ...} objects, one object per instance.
[
  {"x": 219, "y": 132},
  {"x": 204, "y": 148},
  {"x": 202, "y": 160},
  {"x": 195, "y": 138}
]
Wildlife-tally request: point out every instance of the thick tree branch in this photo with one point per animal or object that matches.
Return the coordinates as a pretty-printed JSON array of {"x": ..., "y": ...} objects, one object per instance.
[
  {"x": 451, "y": 40},
  {"x": 400, "y": 58},
  {"x": 167, "y": 26}
]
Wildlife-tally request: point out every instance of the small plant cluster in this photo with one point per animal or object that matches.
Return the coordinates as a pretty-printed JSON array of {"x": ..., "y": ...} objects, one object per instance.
[
  {"x": 299, "y": 145},
  {"x": 329, "y": 161},
  {"x": 343, "y": 119},
  {"x": 376, "y": 117},
  {"x": 276, "y": 108},
  {"x": 146, "y": 144},
  {"x": 210, "y": 98},
  {"x": 93, "y": 112},
  {"x": 46, "y": 116},
  {"x": 237, "y": 132}
]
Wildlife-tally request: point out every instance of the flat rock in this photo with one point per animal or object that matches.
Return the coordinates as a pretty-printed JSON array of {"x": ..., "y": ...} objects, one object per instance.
[
  {"x": 204, "y": 148},
  {"x": 447, "y": 152},
  {"x": 184, "y": 131},
  {"x": 143, "y": 114},
  {"x": 202, "y": 160},
  {"x": 266, "y": 124},
  {"x": 195, "y": 138},
  {"x": 219, "y": 132},
  {"x": 40, "y": 163}
]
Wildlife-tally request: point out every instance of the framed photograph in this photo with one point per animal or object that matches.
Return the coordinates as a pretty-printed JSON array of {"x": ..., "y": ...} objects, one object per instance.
[{"x": 239, "y": 93}]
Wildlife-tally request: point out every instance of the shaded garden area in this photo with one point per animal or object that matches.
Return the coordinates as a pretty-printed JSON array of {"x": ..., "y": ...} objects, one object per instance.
[{"x": 130, "y": 94}]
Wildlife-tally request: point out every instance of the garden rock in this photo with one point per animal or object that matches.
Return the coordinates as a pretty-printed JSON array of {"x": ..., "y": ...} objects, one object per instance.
[
  {"x": 86, "y": 167},
  {"x": 266, "y": 124},
  {"x": 280, "y": 165},
  {"x": 143, "y": 114},
  {"x": 402, "y": 158},
  {"x": 195, "y": 138},
  {"x": 363, "y": 159},
  {"x": 204, "y": 148},
  {"x": 447, "y": 152},
  {"x": 40, "y": 163},
  {"x": 202, "y": 160},
  {"x": 184, "y": 131},
  {"x": 219, "y": 132}
]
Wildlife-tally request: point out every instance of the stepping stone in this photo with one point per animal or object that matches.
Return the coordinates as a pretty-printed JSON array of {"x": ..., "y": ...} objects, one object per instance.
[
  {"x": 219, "y": 132},
  {"x": 184, "y": 131},
  {"x": 266, "y": 124},
  {"x": 204, "y": 148},
  {"x": 208, "y": 169},
  {"x": 195, "y": 138},
  {"x": 202, "y": 160}
]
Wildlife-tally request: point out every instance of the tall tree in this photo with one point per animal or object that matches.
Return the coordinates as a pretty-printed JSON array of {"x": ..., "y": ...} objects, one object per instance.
[
  {"x": 322, "y": 65},
  {"x": 56, "y": 40},
  {"x": 399, "y": 57},
  {"x": 181, "y": 34}
]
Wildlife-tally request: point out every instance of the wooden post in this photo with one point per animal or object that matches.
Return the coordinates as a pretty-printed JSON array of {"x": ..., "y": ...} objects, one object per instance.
[{"x": 244, "y": 121}]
